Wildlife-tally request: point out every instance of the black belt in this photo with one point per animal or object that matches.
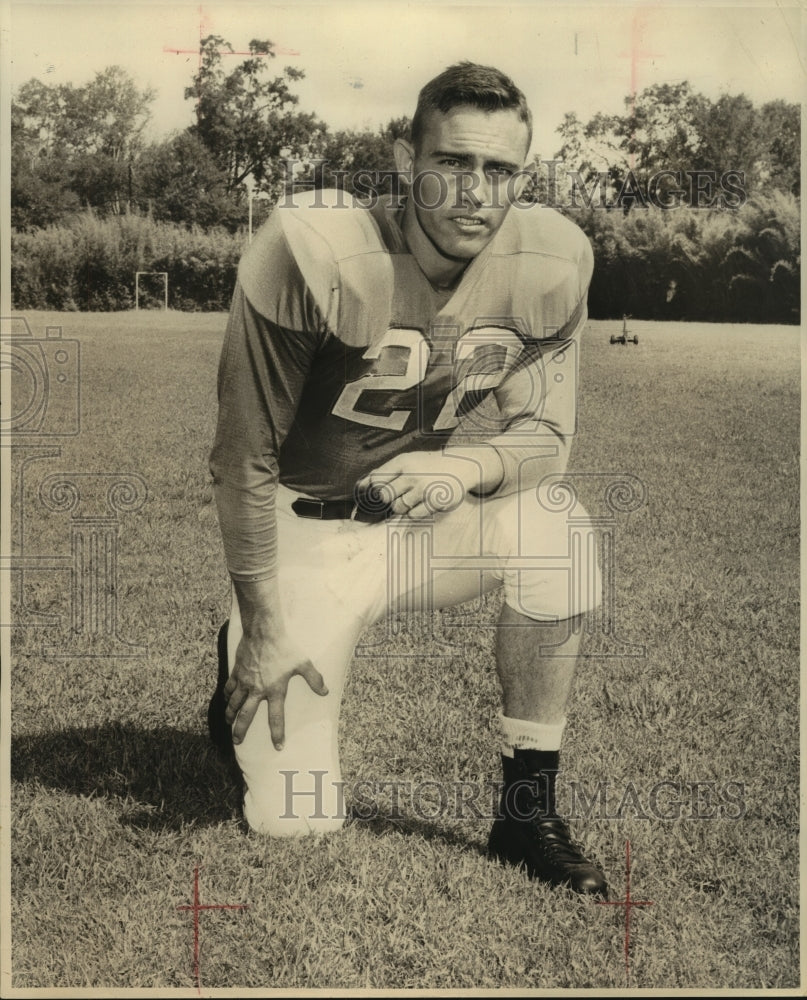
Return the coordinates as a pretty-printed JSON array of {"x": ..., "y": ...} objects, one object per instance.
[{"x": 342, "y": 510}]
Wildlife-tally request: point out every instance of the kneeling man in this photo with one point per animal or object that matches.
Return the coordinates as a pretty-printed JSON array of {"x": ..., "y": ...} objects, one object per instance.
[{"x": 395, "y": 382}]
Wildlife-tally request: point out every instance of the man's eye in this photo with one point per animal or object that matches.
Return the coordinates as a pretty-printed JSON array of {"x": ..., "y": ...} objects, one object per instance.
[
  {"x": 451, "y": 164},
  {"x": 500, "y": 171}
]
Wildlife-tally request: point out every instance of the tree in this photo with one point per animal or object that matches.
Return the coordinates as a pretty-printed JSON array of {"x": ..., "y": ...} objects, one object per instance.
[
  {"x": 660, "y": 129},
  {"x": 592, "y": 152},
  {"x": 247, "y": 122},
  {"x": 74, "y": 145},
  {"x": 105, "y": 117},
  {"x": 180, "y": 181},
  {"x": 669, "y": 127},
  {"x": 100, "y": 182},
  {"x": 781, "y": 141},
  {"x": 730, "y": 131},
  {"x": 40, "y": 183},
  {"x": 361, "y": 162}
]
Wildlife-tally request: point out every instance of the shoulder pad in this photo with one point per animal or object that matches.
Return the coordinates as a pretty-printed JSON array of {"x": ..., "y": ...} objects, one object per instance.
[
  {"x": 541, "y": 230},
  {"x": 339, "y": 256}
]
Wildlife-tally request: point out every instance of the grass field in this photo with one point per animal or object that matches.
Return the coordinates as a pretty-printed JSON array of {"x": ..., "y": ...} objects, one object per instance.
[{"x": 117, "y": 796}]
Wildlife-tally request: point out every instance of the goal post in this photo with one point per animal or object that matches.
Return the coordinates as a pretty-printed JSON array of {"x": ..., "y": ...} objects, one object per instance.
[{"x": 162, "y": 274}]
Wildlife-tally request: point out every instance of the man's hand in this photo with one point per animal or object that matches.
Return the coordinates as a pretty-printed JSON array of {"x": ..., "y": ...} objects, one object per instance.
[
  {"x": 421, "y": 483},
  {"x": 263, "y": 667}
]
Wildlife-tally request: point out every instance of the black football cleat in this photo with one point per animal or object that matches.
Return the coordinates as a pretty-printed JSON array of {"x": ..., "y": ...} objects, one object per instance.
[
  {"x": 221, "y": 733},
  {"x": 530, "y": 835}
]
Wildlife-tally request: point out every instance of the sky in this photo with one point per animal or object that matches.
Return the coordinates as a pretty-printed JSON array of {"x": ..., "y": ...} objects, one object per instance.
[{"x": 364, "y": 63}]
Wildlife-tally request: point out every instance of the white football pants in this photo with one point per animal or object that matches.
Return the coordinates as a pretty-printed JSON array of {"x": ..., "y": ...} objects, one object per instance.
[{"x": 337, "y": 577}]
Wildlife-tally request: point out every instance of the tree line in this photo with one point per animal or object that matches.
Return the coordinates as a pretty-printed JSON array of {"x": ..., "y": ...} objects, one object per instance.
[
  {"x": 78, "y": 148},
  {"x": 635, "y": 182}
]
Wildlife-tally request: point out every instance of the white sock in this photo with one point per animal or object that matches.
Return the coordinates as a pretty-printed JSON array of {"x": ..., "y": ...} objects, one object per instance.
[{"x": 523, "y": 735}]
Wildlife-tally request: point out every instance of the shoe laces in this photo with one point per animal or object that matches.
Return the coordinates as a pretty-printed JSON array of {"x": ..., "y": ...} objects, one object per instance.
[{"x": 557, "y": 840}]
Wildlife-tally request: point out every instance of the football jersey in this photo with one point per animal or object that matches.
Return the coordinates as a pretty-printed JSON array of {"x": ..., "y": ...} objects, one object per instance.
[{"x": 339, "y": 355}]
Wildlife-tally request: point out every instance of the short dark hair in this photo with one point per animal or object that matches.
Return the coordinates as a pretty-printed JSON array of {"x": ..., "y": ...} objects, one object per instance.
[{"x": 482, "y": 87}]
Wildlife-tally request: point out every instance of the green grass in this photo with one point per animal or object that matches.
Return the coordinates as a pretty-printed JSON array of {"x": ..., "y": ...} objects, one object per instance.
[{"x": 116, "y": 795}]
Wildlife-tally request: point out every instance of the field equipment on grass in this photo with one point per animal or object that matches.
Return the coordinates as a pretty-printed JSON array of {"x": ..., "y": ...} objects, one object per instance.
[{"x": 623, "y": 338}]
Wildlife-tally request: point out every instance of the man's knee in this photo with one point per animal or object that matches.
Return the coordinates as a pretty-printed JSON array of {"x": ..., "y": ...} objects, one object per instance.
[
  {"x": 296, "y": 801},
  {"x": 551, "y": 561}
]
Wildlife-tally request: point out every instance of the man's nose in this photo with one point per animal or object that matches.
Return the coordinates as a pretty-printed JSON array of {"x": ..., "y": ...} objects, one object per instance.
[{"x": 473, "y": 188}]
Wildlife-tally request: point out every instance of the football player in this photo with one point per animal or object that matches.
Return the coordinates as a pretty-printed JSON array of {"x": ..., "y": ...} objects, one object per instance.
[{"x": 396, "y": 380}]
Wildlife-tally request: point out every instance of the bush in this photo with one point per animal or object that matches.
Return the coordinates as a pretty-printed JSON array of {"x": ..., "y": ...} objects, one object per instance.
[
  {"x": 90, "y": 264},
  {"x": 739, "y": 265}
]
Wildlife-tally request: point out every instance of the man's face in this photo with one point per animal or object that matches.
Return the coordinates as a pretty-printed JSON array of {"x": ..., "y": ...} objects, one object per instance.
[{"x": 464, "y": 177}]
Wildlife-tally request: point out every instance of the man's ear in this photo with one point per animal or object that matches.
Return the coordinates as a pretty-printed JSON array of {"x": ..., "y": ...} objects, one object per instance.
[{"x": 404, "y": 153}]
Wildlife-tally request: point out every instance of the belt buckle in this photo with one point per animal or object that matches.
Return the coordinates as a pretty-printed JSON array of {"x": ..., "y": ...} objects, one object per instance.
[{"x": 309, "y": 507}]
